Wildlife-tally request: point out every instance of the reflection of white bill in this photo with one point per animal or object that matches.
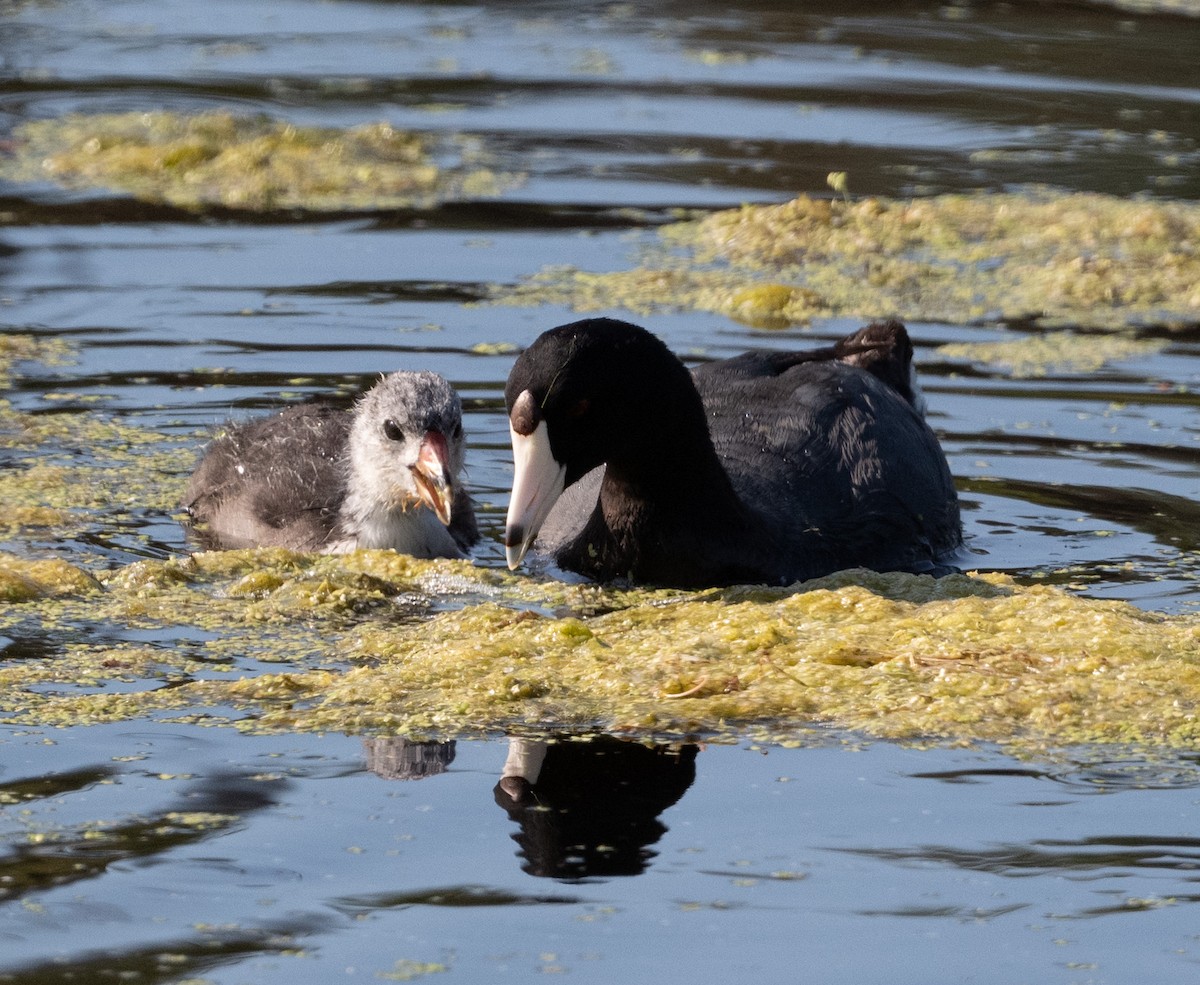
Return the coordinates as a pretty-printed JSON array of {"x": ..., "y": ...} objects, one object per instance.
[{"x": 525, "y": 758}]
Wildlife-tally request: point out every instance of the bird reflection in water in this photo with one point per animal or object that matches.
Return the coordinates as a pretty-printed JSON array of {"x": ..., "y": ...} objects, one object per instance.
[
  {"x": 590, "y": 808},
  {"x": 396, "y": 758},
  {"x": 586, "y": 806}
]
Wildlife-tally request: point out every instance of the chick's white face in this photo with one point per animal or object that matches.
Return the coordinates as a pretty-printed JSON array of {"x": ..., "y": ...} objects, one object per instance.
[{"x": 406, "y": 442}]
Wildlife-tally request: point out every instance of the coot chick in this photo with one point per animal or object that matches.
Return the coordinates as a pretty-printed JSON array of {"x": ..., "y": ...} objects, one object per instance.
[
  {"x": 765, "y": 468},
  {"x": 317, "y": 478}
]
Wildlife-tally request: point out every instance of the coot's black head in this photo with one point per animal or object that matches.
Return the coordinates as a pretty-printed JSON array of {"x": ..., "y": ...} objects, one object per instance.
[
  {"x": 592, "y": 392},
  {"x": 599, "y": 385}
]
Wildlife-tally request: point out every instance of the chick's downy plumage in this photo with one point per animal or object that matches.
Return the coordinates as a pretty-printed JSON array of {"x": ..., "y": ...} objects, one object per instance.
[{"x": 315, "y": 477}]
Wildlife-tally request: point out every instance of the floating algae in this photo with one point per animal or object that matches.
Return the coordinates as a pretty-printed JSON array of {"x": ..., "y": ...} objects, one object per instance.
[
  {"x": 216, "y": 614},
  {"x": 646, "y": 290},
  {"x": 22, "y": 580},
  {"x": 55, "y": 488},
  {"x": 46, "y": 493},
  {"x": 285, "y": 641},
  {"x": 246, "y": 162},
  {"x": 18, "y": 347},
  {"x": 1038, "y": 355},
  {"x": 1061, "y": 259}
]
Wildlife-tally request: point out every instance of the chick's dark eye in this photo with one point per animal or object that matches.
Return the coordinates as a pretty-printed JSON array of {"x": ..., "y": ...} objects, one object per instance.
[
  {"x": 456, "y": 433},
  {"x": 393, "y": 431}
]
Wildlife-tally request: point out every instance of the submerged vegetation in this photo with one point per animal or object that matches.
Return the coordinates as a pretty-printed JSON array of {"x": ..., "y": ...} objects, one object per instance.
[
  {"x": 252, "y": 163},
  {"x": 1051, "y": 257}
]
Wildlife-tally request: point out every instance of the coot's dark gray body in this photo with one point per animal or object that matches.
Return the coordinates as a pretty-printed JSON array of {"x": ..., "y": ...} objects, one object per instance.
[
  {"x": 319, "y": 478},
  {"x": 769, "y": 467}
]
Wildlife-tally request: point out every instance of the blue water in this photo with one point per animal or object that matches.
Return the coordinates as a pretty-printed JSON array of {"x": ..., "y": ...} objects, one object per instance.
[{"x": 835, "y": 862}]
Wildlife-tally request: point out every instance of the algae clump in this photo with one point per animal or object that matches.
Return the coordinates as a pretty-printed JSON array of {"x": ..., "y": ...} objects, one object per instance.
[
  {"x": 22, "y": 580},
  {"x": 1051, "y": 257},
  {"x": 78, "y": 462},
  {"x": 55, "y": 490},
  {"x": 252, "y": 163},
  {"x": 382, "y": 643},
  {"x": 1038, "y": 355},
  {"x": 899, "y": 656},
  {"x": 17, "y": 347}
]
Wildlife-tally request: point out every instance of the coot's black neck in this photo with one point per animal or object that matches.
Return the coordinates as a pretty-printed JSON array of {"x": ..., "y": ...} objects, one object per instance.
[{"x": 667, "y": 512}]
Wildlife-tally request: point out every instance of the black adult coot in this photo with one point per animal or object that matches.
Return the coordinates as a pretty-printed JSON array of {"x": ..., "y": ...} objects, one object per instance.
[
  {"x": 318, "y": 478},
  {"x": 768, "y": 467}
]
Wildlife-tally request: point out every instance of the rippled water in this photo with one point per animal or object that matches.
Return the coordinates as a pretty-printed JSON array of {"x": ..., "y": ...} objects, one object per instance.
[{"x": 885, "y": 864}]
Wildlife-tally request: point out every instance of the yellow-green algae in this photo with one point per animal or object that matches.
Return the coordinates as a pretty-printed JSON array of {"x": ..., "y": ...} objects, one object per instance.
[
  {"x": 17, "y": 347},
  {"x": 1039, "y": 355},
  {"x": 23, "y": 579},
  {"x": 347, "y": 643},
  {"x": 245, "y": 162},
  {"x": 51, "y": 490},
  {"x": 1060, "y": 258},
  {"x": 54, "y": 488}
]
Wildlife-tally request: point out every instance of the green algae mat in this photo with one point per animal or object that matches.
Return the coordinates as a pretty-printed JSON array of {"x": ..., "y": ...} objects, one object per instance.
[
  {"x": 381, "y": 643},
  {"x": 1040, "y": 257},
  {"x": 1036, "y": 256},
  {"x": 249, "y": 163}
]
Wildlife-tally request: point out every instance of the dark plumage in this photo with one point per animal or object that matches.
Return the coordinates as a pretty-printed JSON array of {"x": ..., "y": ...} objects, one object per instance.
[
  {"x": 768, "y": 467},
  {"x": 316, "y": 478}
]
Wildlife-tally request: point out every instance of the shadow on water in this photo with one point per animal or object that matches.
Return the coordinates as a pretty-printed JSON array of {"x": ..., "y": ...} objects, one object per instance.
[
  {"x": 1098, "y": 857},
  {"x": 52, "y": 785},
  {"x": 209, "y": 809},
  {"x": 172, "y": 959},
  {"x": 1101, "y": 776},
  {"x": 585, "y": 811},
  {"x": 1172, "y": 520}
]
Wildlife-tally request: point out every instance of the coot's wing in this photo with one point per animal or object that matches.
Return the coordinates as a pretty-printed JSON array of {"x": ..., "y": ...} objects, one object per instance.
[
  {"x": 840, "y": 467},
  {"x": 883, "y": 349},
  {"x": 276, "y": 481}
]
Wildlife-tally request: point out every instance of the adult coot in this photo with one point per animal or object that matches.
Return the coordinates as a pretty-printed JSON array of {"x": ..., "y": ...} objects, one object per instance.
[
  {"x": 768, "y": 467},
  {"x": 318, "y": 478}
]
